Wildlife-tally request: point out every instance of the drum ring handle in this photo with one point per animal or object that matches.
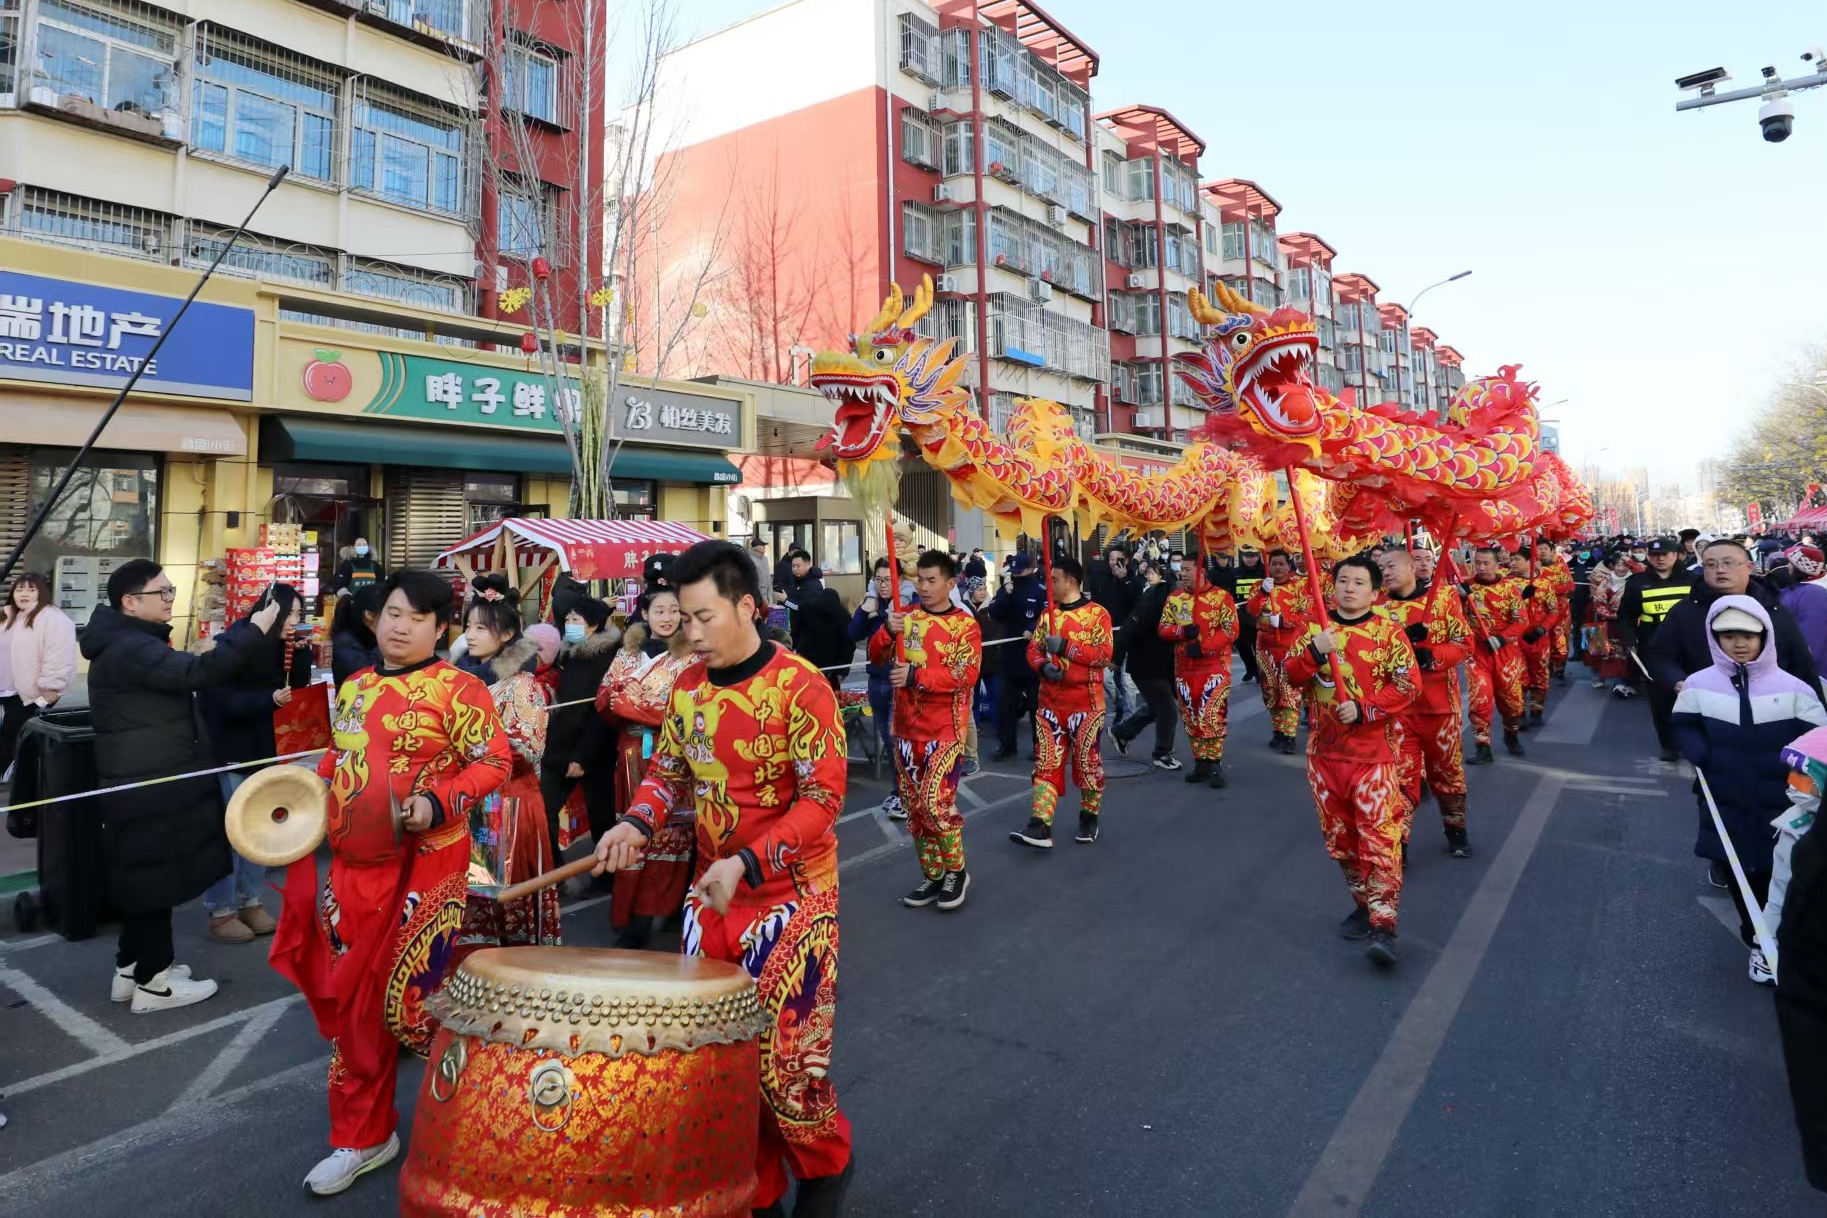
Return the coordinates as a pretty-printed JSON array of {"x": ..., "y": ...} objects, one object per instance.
[
  {"x": 449, "y": 1069},
  {"x": 549, "y": 1090}
]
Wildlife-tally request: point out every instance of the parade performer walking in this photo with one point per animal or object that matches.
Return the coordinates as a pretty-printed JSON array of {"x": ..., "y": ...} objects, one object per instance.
[
  {"x": 1069, "y": 648},
  {"x": 1499, "y": 617},
  {"x": 1552, "y": 573},
  {"x": 1280, "y": 608},
  {"x": 1544, "y": 612},
  {"x": 934, "y": 672},
  {"x": 1355, "y": 746},
  {"x": 417, "y": 735},
  {"x": 753, "y": 736},
  {"x": 1201, "y": 621},
  {"x": 1435, "y": 625}
]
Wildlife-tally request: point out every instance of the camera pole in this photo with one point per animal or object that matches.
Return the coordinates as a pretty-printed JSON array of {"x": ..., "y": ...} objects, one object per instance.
[{"x": 63, "y": 480}]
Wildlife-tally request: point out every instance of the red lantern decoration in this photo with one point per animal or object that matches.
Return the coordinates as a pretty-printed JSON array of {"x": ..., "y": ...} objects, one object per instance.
[
  {"x": 529, "y": 342},
  {"x": 541, "y": 268}
]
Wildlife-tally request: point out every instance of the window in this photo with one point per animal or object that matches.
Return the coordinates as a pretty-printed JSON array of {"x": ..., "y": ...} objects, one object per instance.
[
  {"x": 530, "y": 83},
  {"x": 1122, "y": 313},
  {"x": 1233, "y": 241},
  {"x": 107, "y": 514},
  {"x": 920, "y": 54},
  {"x": 1173, "y": 252},
  {"x": 120, "y": 57},
  {"x": 1148, "y": 315},
  {"x": 1139, "y": 178},
  {"x": 921, "y": 233},
  {"x": 489, "y": 497},
  {"x": 408, "y": 153},
  {"x": 130, "y": 232},
  {"x": 9, "y": 46},
  {"x": 409, "y": 287},
  {"x": 261, "y": 105},
  {"x": 960, "y": 148},
  {"x": 1211, "y": 239},
  {"x": 450, "y": 18},
  {"x": 840, "y": 550},
  {"x": 1115, "y": 184},
  {"x": 1147, "y": 384},
  {"x": 920, "y": 140},
  {"x": 1300, "y": 283},
  {"x": 1180, "y": 321},
  {"x": 520, "y": 230},
  {"x": 955, "y": 58},
  {"x": 947, "y": 319},
  {"x": 1002, "y": 151},
  {"x": 260, "y": 258},
  {"x": 1328, "y": 336},
  {"x": 961, "y": 237}
]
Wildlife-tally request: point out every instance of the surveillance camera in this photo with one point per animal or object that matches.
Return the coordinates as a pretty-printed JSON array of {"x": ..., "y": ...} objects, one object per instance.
[
  {"x": 1817, "y": 57},
  {"x": 1777, "y": 118}
]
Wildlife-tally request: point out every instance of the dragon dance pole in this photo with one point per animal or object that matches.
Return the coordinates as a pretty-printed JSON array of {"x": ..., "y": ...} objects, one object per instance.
[
  {"x": 1313, "y": 583},
  {"x": 1046, "y": 568},
  {"x": 894, "y": 584}
]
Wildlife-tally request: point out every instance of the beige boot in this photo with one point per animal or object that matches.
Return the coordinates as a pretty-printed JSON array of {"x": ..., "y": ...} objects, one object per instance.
[
  {"x": 257, "y": 919},
  {"x": 229, "y": 929}
]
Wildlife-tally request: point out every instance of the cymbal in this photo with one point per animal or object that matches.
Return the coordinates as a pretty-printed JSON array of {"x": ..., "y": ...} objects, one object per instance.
[{"x": 278, "y": 815}]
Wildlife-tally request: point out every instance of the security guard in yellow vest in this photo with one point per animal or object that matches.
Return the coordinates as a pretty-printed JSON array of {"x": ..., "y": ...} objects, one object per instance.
[{"x": 1648, "y": 596}]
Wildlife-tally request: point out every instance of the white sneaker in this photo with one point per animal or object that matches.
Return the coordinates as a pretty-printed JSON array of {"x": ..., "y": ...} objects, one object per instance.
[
  {"x": 168, "y": 991},
  {"x": 121, "y": 989},
  {"x": 339, "y": 1171},
  {"x": 1761, "y": 973},
  {"x": 893, "y": 809}
]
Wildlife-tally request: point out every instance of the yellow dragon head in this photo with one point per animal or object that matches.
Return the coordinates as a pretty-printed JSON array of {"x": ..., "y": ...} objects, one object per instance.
[{"x": 890, "y": 378}]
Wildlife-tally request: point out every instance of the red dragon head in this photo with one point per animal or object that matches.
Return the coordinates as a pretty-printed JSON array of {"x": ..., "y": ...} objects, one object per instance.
[{"x": 1255, "y": 374}]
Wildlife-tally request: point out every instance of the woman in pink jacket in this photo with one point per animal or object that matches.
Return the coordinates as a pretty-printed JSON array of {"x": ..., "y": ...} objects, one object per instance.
[{"x": 37, "y": 657}]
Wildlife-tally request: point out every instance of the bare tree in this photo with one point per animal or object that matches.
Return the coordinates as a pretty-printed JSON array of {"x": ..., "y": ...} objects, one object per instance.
[{"x": 1784, "y": 450}]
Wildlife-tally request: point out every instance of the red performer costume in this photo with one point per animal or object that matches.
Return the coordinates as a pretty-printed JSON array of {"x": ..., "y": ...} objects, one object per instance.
[
  {"x": 1554, "y": 575},
  {"x": 1070, "y": 648},
  {"x": 1282, "y": 610},
  {"x": 1545, "y": 611},
  {"x": 381, "y": 941},
  {"x": 759, "y": 748},
  {"x": 1434, "y": 624},
  {"x": 634, "y": 694},
  {"x": 1499, "y": 617},
  {"x": 932, "y": 716},
  {"x": 1202, "y": 626},
  {"x": 1354, "y": 769}
]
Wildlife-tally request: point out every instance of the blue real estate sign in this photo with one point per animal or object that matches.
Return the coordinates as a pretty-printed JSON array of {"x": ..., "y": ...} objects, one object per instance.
[{"x": 71, "y": 333}]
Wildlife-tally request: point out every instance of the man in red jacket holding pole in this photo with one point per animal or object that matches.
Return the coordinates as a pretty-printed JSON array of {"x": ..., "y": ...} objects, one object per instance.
[
  {"x": 1499, "y": 617},
  {"x": 1435, "y": 626},
  {"x": 1070, "y": 648}
]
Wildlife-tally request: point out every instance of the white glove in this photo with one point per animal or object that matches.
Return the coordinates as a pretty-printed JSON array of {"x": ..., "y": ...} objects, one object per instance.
[
  {"x": 1268, "y": 583},
  {"x": 1275, "y": 621}
]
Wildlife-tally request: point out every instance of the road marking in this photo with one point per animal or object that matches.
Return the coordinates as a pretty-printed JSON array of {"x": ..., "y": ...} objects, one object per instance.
[
  {"x": 1604, "y": 788},
  {"x": 1353, "y": 1158},
  {"x": 232, "y": 1055},
  {"x": 36, "y": 1181},
  {"x": 1726, "y": 910},
  {"x": 900, "y": 844},
  {"x": 971, "y": 797},
  {"x": 1574, "y": 719},
  {"x": 91, "y": 1035},
  {"x": 19, "y": 945}
]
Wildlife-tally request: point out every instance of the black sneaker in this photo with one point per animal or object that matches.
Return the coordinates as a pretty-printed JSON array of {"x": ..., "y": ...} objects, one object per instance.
[
  {"x": 1380, "y": 946},
  {"x": 1216, "y": 781},
  {"x": 1457, "y": 844},
  {"x": 1535, "y": 718},
  {"x": 1513, "y": 743},
  {"x": 1169, "y": 762},
  {"x": 924, "y": 895},
  {"x": 1038, "y": 834},
  {"x": 1481, "y": 755},
  {"x": 1087, "y": 830},
  {"x": 952, "y": 889},
  {"x": 1718, "y": 874},
  {"x": 1248, "y": 677},
  {"x": 1002, "y": 754},
  {"x": 1199, "y": 771},
  {"x": 1290, "y": 745},
  {"x": 1275, "y": 741},
  {"x": 1121, "y": 742},
  {"x": 1356, "y": 924},
  {"x": 1670, "y": 755}
]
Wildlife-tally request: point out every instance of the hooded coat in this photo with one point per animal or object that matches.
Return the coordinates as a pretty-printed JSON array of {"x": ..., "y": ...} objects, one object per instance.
[
  {"x": 165, "y": 843},
  {"x": 1684, "y": 645},
  {"x": 578, "y": 733},
  {"x": 1732, "y": 720}
]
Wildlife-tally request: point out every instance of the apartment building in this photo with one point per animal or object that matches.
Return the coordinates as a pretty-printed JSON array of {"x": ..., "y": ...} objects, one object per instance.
[
  {"x": 1424, "y": 364},
  {"x": 1361, "y": 362},
  {"x": 1308, "y": 275},
  {"x": 1398, "y": 374}
]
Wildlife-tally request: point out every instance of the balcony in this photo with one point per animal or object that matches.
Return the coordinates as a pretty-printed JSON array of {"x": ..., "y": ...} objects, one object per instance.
[{"x": 1155, "y": 418}]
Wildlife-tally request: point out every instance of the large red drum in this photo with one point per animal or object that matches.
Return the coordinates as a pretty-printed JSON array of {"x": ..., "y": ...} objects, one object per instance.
[{"x": 577, "y": 1081}]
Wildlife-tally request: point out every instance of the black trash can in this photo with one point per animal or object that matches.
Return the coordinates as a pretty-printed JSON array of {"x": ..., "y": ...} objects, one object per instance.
[{"x": 57, "y": 757}]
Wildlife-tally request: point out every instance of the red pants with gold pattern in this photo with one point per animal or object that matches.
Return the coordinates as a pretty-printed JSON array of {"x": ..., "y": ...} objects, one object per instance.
[
  {"x": 1279, "y": 698},
  {"x": 1497, "y": 677},
  {"x": 1431, "y": 752},
  {"x": 791, "y": 952},
  {"x": 1203, "y": 693},
  {"x": 1362, "y": 812},
  {"x": 1058, "y": 741},
  {"x": 1537, "y": 668},
  {"x": 1558, "y": 644},
  {"x": 926, "y": 776}
]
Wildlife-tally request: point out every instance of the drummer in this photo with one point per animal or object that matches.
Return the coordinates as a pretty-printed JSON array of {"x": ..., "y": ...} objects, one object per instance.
[
  {"x": 752, "y": 733},
  {"x": 412, "y": 733}
]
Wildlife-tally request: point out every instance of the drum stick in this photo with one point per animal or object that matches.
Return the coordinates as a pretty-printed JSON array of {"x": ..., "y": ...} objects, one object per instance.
[{"x": 545, "y": 880}]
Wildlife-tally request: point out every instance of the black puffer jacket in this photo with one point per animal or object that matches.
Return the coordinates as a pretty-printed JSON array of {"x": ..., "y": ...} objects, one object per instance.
[
  {"x": 1149, "y": 656},
  {"x": 578, "y": 733},
  {"x": 165, "y": 843}
]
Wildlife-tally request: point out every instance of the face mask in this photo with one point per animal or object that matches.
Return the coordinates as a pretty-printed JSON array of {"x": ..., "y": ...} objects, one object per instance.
[
  {"x": 361, "y": 551},
  {"x": 1174, "y": 565},
  {"x": 574, "y": 632}
]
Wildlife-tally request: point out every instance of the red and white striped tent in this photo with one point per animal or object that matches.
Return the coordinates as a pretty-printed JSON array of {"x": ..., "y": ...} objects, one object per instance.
[{"x": 588, "y": 549}]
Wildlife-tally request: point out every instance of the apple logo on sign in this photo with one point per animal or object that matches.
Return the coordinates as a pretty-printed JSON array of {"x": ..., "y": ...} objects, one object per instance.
[{"x": 326, "y": 378}]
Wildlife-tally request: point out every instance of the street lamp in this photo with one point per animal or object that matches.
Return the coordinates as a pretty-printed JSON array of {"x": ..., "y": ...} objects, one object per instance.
[{"x": 1413, "y": 304}]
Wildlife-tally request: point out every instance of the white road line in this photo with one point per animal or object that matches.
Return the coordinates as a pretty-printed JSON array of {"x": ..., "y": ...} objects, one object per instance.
[
  {"x": 1726, "y": 910},
  {"x": 902, "y": 844},
  {"x": 1603, "y": 788},
  {"x": 19, "y": 945},
  {"x": 232, "y": 1055},
  {"x": 971, "y": 797},
  {"x": 144, "y": 1047},
  {"x": 85, "y": 1030}
]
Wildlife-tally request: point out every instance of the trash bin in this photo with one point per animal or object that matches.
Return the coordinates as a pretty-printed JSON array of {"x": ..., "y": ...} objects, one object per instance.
[{"x": 57, "y": 757}]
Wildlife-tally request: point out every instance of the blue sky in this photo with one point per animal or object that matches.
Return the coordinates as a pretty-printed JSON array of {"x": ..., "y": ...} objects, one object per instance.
[{"x": 1662, "y": 271}]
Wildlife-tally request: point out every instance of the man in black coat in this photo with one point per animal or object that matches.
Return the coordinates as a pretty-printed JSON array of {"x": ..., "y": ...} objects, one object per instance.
[
  {"x": 165, "y": 843},
  {"x": 1114, "y": 586},
  {"x": 1648, "y": 598},
  {"x": 1013, "y": 613},
  {"x": 1241, "y": 582},
  {"x": 580, "y": 744},
  {"x": 1680, "y": 646}
]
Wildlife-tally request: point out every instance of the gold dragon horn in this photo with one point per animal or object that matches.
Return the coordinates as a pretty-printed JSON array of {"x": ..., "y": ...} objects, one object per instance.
[
  {"x": 1202, "y": 310},
  {"x": 922, "y": 301},
  {"x": 891, "y": 308},
  {"x": 1232, "y": 302}
]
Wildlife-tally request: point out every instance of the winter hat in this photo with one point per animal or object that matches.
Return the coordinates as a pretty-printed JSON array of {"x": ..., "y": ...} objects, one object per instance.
[
  {"x": 1808, "y": 560},
  {"x": 1735, "y": 619},
  {"x": 548, "y": 640}
]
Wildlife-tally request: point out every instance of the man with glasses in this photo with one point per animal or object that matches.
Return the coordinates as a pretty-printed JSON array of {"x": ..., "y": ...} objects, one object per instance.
[
  {"x": 1680, "y": 646},
  {"x": 165, "y": 843}
]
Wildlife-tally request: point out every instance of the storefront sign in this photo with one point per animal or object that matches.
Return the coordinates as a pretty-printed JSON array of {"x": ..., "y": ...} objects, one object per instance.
[
  {"x": 70, "y": 333},
  {"x": 666, "y": 416},
  {"x": 447, "y": 391}
]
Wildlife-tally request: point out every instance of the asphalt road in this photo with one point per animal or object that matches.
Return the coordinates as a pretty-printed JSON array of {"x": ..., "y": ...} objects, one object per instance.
[{"x": 1163, "y": 1023}]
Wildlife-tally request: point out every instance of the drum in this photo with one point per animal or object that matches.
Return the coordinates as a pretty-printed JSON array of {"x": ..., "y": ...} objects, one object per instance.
[{"x": 574, "y": 1081}]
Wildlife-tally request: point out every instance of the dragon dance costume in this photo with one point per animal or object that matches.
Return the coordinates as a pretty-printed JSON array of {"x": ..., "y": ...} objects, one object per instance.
[
  {"x": 1497, "y": 611},
  {"x": 1433, "y": 622},
  {"x": 1355, "y": 769},
  {"x": 380, "y": 942},
  {"x": 1281, "y": 614},
  {"x": 1202, "y": 628},
  {"x": 1546, "y": 612},
  {"x": 1560, "y": 580},
  {"x": 760, "y": 749},
  {"x": 930, "y": 722},
  {"x": 1070, "y": 721}
]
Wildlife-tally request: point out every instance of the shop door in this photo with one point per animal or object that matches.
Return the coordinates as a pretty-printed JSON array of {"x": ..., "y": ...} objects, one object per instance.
[
  {"x": 426, "y": 515},
  {"x": 15, "y": 496}
]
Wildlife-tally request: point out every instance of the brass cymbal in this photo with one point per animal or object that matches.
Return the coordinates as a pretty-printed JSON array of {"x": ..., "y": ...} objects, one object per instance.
[{"x": 278, "y": 815}]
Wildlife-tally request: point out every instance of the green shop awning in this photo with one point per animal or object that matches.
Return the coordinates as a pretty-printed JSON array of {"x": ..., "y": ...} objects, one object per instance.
[{"x": 295, "y": 438}]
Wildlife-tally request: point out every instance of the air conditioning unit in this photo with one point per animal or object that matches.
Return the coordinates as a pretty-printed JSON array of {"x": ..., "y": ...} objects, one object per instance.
[
  {"x": 936, "y": 102},
  {"x": 1040, "y": 289},
  {"x": 942, "y": 193},
  {"x": 945, "y": 283},
  {"x": 1056, "y": 215},
  {"x": 1135, "y": 280}
]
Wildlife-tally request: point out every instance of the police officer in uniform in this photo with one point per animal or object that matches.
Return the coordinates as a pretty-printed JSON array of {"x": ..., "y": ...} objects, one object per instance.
[
  {"x": 1241, "y": 581},
  {"x": 1012, "y": 614},
  {"x": 1648, "y": 596}
]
